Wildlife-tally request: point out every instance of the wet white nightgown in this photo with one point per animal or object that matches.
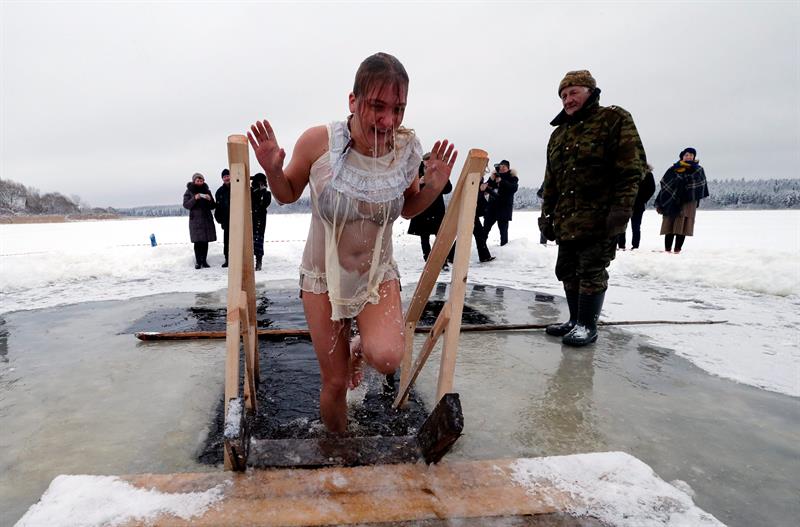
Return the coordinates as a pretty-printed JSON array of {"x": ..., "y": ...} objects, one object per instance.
[{"x": 355, "y": 199}]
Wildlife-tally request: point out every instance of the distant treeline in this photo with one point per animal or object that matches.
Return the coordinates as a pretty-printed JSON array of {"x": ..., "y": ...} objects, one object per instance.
[
  {"x": 299, "y": 206},
  {"x": 17, "y": 199},
  {"x": 724, "y": 194}
]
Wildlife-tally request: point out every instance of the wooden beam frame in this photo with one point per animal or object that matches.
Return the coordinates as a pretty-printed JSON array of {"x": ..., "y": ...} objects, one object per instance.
[
  {"x": 241, "y": 328},
  {"x": 457, "y": 224}
]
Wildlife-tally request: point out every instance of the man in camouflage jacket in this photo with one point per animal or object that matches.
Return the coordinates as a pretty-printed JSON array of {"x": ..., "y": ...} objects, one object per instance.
[{"x": 595, "y": 161}]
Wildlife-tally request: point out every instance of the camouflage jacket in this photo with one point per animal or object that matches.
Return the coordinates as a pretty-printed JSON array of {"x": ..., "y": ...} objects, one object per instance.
[{"x": 595, "y": 161}]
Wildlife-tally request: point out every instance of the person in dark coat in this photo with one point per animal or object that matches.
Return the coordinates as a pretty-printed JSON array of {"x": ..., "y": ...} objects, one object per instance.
[
  {"x": 260, "y": 198},
  {"x": 500, "y": 190},
  {"x": 682, "y": 187},
  {"x": 427, "y": 222},
  {"x": 647, "y": 187},
  {"x": 200, "y": 202},
  {"x": 478, "y": 231},
  {"x": 223, "y": 212}
]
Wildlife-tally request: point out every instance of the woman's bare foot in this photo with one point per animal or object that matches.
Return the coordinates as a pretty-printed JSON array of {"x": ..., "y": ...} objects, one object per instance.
[{"x": 356, "y": 368}]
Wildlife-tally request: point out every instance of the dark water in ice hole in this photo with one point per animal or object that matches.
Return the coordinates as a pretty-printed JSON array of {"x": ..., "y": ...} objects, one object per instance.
[{"x": 288, "y": 391}]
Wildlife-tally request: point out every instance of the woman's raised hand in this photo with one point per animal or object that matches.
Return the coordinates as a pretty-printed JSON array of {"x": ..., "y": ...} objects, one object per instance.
[
  {"x": 270, "y": 156},
  {"x": 440, "y": 164}
]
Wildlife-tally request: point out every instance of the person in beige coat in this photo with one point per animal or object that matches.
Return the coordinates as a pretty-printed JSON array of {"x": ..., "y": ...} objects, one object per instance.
[{"x": 682, "y": 187}]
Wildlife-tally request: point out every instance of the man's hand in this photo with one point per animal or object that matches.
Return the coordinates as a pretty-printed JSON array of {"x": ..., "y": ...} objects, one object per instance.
[
  {"x": 617, "y": 221},
  {"x": 547, "y": 228}
]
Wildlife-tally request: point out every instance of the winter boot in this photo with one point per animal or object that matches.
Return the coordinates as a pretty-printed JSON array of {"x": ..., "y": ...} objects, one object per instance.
[
  {"x": 225, "y": 264},
  {"x": 258, "y": 263},
  {"x": 559, "y": 330},
  {"x": 205, "y": 265},
  {"x": 585, "y": 331}
]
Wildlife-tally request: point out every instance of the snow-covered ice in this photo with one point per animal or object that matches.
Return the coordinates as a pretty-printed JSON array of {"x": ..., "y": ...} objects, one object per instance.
[
  {"x": 88, "y": 501},
  {"x": 613, "y": 487}
]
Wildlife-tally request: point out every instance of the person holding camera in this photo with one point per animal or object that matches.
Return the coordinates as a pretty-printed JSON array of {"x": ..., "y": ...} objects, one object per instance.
[
  {"x": 595, "y": 161},
  {"x": 199, "y": 201},
  {"x": 223, "y": 212},
  {"x": 500, "y": 189},
  {"x": 260, "y": 198}
]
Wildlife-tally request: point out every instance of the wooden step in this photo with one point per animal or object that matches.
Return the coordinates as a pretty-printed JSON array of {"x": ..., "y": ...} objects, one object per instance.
[
  {"x": 328, "y": 452},
  {"x": 435, "y": 438}
]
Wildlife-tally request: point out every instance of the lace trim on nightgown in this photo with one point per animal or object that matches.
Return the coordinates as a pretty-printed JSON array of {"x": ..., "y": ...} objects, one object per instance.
[{"x": 368, "y": 185}]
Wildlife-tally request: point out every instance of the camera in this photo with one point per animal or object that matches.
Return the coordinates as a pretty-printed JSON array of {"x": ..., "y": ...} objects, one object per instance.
[{"x": 497, "y": 167}]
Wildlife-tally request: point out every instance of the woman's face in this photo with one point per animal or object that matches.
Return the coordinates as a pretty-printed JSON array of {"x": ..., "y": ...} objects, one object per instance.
[
  {"x": 198, "y": 181},
  {"x": 379, "y": 112},
  {"x": 687, "y": 157}
]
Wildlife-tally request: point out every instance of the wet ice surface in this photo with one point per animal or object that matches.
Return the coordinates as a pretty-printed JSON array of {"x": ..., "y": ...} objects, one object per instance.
[
  {"x": 524, "y": 394},
  {"x": 80, "y": 396}
]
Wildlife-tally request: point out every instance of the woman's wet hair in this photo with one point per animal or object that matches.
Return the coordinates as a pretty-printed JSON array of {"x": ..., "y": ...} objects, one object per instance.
[{"x": 378, "y": 70}]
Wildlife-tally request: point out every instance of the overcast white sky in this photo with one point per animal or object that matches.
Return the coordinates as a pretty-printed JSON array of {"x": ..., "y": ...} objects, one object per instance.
[{"x": 121, "y": 103}]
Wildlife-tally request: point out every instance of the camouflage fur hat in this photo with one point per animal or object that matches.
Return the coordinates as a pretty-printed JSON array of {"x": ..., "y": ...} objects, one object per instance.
[{"x": 577, "y": 78}]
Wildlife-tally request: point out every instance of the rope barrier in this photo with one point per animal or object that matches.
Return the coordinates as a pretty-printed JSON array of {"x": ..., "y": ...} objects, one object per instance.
[{"x": 140, "y": 245}]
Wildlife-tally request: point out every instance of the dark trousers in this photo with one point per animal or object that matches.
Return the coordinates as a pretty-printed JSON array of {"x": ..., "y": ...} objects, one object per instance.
[
  {"x": 200, "y": 252},
  {"x": 679, "y": 239},
  {"x": 502, "y": 225},
  {"x": 425, "y": 241},
  {"x": 479, "y": 233},
  {"x": 225, "y": 243},
  {"x": 636, "y": 229},
  {"x": 581, "y": 264},
  {"x": 259, "y": 227}
]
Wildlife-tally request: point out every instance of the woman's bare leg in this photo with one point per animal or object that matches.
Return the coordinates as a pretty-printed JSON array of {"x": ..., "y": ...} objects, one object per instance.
[
  {"x": 331, "y": 341},
  {"x": 381, "y": 329}
]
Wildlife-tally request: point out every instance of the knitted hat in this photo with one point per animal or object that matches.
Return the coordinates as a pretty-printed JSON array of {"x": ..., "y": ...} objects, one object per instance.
[
  {"x": 504, "y": 162},
  {"x": 259, "y": 178},
  {"x": 198, "y": 175},
  {"x": 688, "y": 150},
  {"x": 577, "y": 78},
  {"x": 226, "y": 172}
]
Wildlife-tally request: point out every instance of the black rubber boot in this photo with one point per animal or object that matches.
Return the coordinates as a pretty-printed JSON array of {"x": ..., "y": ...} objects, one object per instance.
[
  {"x": 559, "y": 330},
  {"x": 258, "y": 263},
  {"x": 585, "y": 331}
]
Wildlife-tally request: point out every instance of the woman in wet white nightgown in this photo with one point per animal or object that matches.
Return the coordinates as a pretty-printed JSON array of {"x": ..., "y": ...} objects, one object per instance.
[{"x": 362, "y": 174}]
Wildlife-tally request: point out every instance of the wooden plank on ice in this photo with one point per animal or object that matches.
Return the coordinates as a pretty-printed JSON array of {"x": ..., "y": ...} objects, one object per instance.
[{"x": 359, "y": 495}]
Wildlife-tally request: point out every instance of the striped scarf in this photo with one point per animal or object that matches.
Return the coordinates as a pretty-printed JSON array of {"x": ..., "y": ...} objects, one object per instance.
[
  {"x": 696, "y": 186},
  {"x": 683, "y": 182}
]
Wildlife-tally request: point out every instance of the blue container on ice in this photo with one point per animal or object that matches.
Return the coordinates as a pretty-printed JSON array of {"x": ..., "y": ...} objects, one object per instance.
[{"x": 153, "y": 240}]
